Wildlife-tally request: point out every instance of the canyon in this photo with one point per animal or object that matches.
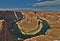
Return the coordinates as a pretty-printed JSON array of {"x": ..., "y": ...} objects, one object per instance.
[{"x": 52, "y": 17}]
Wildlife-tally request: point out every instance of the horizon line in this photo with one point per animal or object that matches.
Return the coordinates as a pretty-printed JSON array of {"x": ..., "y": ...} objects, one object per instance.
[{"x": 25, "y": 9}]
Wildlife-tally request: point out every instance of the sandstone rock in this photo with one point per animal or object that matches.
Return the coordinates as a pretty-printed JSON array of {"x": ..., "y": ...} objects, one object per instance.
[
  {"x": 1, "y": 25},
  {"x": 55, "y": 32},
  {"x": 5, "y": 33},
  {"x": 40, "y": 38}
]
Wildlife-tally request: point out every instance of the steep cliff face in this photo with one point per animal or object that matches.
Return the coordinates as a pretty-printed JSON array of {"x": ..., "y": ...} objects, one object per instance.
[{"x": 5, "y": 32}]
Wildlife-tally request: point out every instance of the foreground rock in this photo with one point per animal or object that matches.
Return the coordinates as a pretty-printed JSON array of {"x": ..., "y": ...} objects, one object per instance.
[
  {"x": 1, "y": 24},
  {"x": 55, "y": 32},
  {"x": 5, "y": 32},
  {"x": 41, "y": 38}
]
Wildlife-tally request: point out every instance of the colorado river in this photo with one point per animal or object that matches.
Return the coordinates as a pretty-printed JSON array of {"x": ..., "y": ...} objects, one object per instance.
[{"x": 19, "y": 34}]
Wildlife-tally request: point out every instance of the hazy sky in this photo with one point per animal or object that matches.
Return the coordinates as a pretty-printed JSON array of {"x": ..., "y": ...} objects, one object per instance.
[{"x": 30, "y": 4}]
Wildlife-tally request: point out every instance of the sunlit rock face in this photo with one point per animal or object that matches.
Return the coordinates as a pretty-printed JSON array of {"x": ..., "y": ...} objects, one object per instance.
[{"x": 41, "y": 38}]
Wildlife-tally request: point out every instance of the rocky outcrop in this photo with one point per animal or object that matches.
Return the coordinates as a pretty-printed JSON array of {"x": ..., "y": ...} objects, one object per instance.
[
  {"x": 41, "y": 38},
  {"x": 5, "y": 32},
  {"x": 1, "y": 25}
]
